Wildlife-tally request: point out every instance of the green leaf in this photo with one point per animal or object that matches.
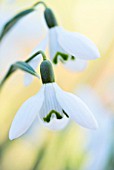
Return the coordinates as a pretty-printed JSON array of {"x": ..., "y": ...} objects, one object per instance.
[
  {"x": 7, "y": 27},
  {"x": 19, "y": 65},
  {"x": 25, "y": 67},
  {"x": 22, "y": 66}
]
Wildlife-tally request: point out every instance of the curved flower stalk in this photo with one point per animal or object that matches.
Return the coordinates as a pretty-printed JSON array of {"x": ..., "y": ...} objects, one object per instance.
[
  {"x": 34, "y": 62},
  {"x": 52, "y": 106},
  {"x": 24, "y": 66},
  {"x": 100, "y": 142}
]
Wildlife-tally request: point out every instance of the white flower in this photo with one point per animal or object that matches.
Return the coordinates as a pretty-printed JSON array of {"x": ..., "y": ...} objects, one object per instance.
[
  {"x": 53, "y": 107},
  {"x": 99, "y": 143},
  {"x": 74, "y": 44},
  {"x": 78, "y": 47},
  {"x": 21, "y": 39},
  {"x": 72, "y": 48}
]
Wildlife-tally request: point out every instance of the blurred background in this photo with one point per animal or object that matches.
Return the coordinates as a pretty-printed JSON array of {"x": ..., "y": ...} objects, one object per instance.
[{"x": 73, "y": 148}]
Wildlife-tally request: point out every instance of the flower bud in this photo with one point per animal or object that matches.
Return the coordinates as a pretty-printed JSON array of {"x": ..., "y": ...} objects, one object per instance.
[
  {"x": 50, "y": 18},
  {"x": 47, "y": 73}
]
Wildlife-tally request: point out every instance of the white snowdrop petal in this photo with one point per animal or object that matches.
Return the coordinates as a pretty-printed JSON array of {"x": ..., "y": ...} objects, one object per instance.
[
  {"x": 35, "y": 62},
  {"x": 19, "y": 41},
  {"x": 54, "y": 46},
  {"x": 41, "y": 46},
  {"x": 77, "y": 45},
  {"x": 26, "y": 115},
  {"x": 75, "y": 108},
  {"x": 56, "y": 124},
  {"x": 27, "y": 79},
  {"x": 76, "y": 65},
  {"x": 50, "y": 103}
]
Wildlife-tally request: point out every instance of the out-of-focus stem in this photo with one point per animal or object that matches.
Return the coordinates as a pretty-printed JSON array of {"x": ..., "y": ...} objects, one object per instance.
[{"x": 40, "y": 156}]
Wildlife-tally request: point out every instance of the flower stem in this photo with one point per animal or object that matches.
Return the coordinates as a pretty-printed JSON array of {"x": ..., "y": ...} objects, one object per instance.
[
  {"x": 12, "y": 69},
  {"x": 40, "y": 155},
  {"x": 40, "y": 2},
  {"x": 34, "y": 55}
]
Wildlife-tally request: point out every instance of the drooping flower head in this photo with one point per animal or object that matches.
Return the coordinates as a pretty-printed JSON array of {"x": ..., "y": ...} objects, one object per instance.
[
  {"x": 52, "y": 106},
  {"x": 73, "y": 49}
]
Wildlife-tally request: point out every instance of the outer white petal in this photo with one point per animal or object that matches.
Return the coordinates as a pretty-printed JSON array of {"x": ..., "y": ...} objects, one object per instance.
[
  {"x": 35, "y": 62},
  {"x": 77, "y": 45},
  {"x": 54, "y": 46},
  {"x": 42, "y": 46},
  {"x": 56, "y": 124},
  {"x": 26, "y": 115},
  {"x": 33, "y": 133},
  {"x": 76, "y": 65},
  {"x": 75, "y": 108}
]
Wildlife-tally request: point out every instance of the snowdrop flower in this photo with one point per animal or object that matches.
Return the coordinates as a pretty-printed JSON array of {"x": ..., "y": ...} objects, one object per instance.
[
  {"x": 73, "y": 49},
  {"x": 52, "y": 106},
  {"x": 99, "y": 142}
]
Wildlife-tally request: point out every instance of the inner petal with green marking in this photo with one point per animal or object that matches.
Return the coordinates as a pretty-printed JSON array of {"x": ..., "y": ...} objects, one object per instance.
[
  {"x": 52, "y": 113},
  {"x": 51, "y": 108},
  {"x": 60, "y": 56}
]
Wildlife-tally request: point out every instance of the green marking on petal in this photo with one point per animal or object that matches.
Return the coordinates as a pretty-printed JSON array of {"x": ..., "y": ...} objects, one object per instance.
[
  {"x": 73, "y": 58},
  {"x": 48, "y": 117},
  {"x": 65, "y": 114},
  {"x": 64, "y": 57}
]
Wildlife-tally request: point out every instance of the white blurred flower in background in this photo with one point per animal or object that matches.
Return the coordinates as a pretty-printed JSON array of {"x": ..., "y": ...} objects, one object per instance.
[
  {"x": 22, "y": 38},
  {"x": 99, "y": 143}
]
